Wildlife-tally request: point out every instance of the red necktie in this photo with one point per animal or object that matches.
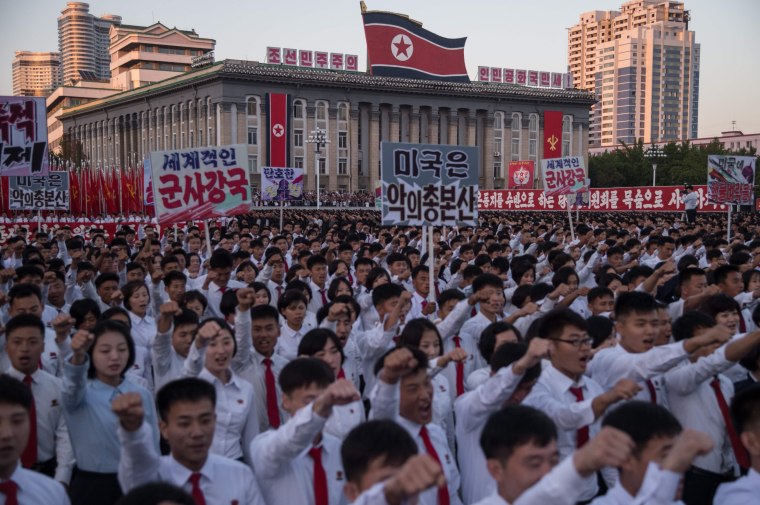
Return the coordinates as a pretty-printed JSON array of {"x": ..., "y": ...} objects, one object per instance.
[
  {"x": 424, "y": 305},
  {"x": 350, "y": 279},
  {"x": 652, "y": 391},
  {"x": 742, "y": 324},
  {"x": 341, "y": 374},
  {"x": 9, "y": 489},
  {"x": 739, "y": 451},
  {"x": 443, "y": 491},
  {"x": 197, "y": 492},
  {"x": 223, "y": 289},
  {"x": 29, "y": 456},
  {"x": 320, "y": 478},
  {"x": 437, "y": 291},
  {"x": 582, "y": 433},
  {"x": 324, "y": 296},
  {"x": 459, "y": 367},
  {"x": 273, "y": 413},
  {"x": 279, "y": 292}
]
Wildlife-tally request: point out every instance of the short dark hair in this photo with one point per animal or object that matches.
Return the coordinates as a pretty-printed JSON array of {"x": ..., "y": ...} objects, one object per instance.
[
  {"x": 685, "y": 326},
  {"x": 721, "y": 273},
  {"x": 290, "y": 296},
  {"x": 487, "y": 342},
  {"x": 315, "y": 340},
  {"x": 187, "y": 316},
  {"x": 716, "y": 304},
  {"x": 155, "y": 493},
  {"x": 599, "y": 328},
  {"x": 192, "y": 296},
  {"x": 175, "y": 275},
  {"x": 221, "y": 259},
  {"x": 106, "y": 277},
  {"x": 372, "y": 440},
  {"x": 745, "y": 409},
  {"x": 411, "y": 335},
  {"x": 599, "y": 292},
  {"x": 450, "y": 294},
  {"x": 303, "y": 372},
  {"x": 24, "y": 321},
  {"x": 316, "y": 259},
  {"x": 513, "y": 426},
  {"x": 189, "y": 389},
  {"x": 643, "y": 421},
  {"x": 385, "y": 292},
  {"x": 80, "y": 308},
  {"x": 421, "y": 357},
  {"x": 636, "y": 302},
  {"x": 554, "y": 322},
  {"x": 109, "y": 313},
  {"x": 23, "y": 291},
  {"x": 265, "y": 312},
  {"x": 131, "y": 288},
  {"x": 484, "y": 280},
  {"x": 111, "y": 326},
  {"x": 15, "y": 392},
  {"x": 508, "y": 353}
]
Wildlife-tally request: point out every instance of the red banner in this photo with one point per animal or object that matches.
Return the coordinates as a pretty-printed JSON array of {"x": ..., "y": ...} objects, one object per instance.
[
  {"x": 644, "y": 199},
  {"x": 552, "y": 134},
  {"x": 277, "y": 119},
  {"x": 521, "y": 174}
]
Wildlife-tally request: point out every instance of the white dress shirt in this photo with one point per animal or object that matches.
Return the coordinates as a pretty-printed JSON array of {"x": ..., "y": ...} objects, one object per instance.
[
  {"x": 743, "y": 490},
  {"x": 287, "y": 343},
  {"x": 659, "y": 487},
  {"x": 214, "y": 295},
  {"x": 143, "y": 331},
  {"x": 614, "y": 363},
  {"x": 470, "y": 334},
  {"x": 316, "y": 297},
  {"x": 52, "y": 433},
  {"x": 167, "y": 364},
  {"x": 694, "y": 403},
  {"x": 551, "y": 394},
  {"x": 472, "y": 411},
  {"x": 345, "y": 418},
  {"x": 236, "y": 420},
  {"x": 415, "y": 311},
  {"x": 281, "y": 459},
  {"x": 222, "y": 480},
  {"x": 36, "y": 489}
]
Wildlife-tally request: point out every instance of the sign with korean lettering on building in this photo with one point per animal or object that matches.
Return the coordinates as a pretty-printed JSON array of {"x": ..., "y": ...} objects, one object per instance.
[
  {"x": 520, "y": 175},
  {"x": 429, "y": 184},
  {"x": 730, "y": 179},
  {"x": 563, "y": 176},
  {"x": 37, "y": 192},
  {"x": 200, "y": 183},
  {"x": 23, "y": 136},
  {"x": 281, "y": 184}
]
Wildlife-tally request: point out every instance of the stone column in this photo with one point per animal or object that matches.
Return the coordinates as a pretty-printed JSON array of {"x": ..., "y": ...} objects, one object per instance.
[
  {"x": 374, "y": 147},
  {"x": 453, "y": 124},
  {"x": 487, "y": 152},
  {"x": 394, "y": 116},
  {"x": 353, "y": 148},
  {"x": 433, "y": 123},
  {"x": 414, "y": 125}
]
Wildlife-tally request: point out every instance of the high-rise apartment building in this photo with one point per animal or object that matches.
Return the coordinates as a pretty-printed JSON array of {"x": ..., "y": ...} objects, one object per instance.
[
  {"x": 142, "y": 55},
  {"x": 83, "y": 41},
  {"x": 35, "y": 74},
  {"x": 643, "y": 65}
]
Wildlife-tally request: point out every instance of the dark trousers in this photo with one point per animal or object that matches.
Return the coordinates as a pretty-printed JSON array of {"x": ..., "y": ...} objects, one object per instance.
[
  {"x": 699, "y": 486},
  {"x": 90, "y": 488},
  {"x": 691, "y": 215},
  {"x": 46, "y": 467}
]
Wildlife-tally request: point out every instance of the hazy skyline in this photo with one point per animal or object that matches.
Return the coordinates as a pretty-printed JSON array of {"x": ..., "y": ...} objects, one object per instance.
[{"x": 507, "y": 33}]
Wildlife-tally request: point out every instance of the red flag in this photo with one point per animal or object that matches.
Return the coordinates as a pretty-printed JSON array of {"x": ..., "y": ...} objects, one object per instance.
[
  {"x": 279, "y": 130},
  {"x": 552, "y": 134},
  {"x": 75, "y": 193},
  {"x": 520, "y": 175},
  {"x": 400, "y": 47}
]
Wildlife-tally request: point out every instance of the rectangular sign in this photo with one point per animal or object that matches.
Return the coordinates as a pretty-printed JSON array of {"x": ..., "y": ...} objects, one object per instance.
[
  {"x": 429, "y": 184},
  {"x": 23, "y": 136},
  {"x": 563, "y": 176},
  {"x": 281, "y": 184},
  {"x": 521, "y": 174},
  {"x": 200, "y": 183},
  {"x": 730, "y": 179},
  {"x": 50, "y": 192},
  {"x": 646, "y": 199}
]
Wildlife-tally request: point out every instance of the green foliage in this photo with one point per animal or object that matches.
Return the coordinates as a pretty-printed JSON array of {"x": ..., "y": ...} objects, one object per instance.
[{"x": 683, "y": 162}]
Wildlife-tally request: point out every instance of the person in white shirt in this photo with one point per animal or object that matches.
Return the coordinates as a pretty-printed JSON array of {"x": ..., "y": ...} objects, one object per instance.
[
  {"x": 186, "y": 409},
  {"x": 383, "y": 466},
  {"x": 404, "y": 394},
  {"x": 210, "y": 359},
  {"x": 176, "y": 329},
  {"x": 662, "y": 453},
  {"x": 520, "y": 444},
  {"x": 317, "y": 266},
  {"x": 690, "y": 200},
  {"x": 422, "y": 303},
  {"x": 492, "y": 338},
  {"x": 292, "y": 306},
  {"x": 565, "y": 394},
  {"x": 52, "y": 455},
  {"x": 488, "y": 312},
  {"x": 299, "y": 462},
  {"x": 745, "y": 410},
  {"x": 515, "y": 368},
  {"x": 699, "y": 395},
  {"x": 17, "y": 484},
  {"x": 217, "y": 281}
]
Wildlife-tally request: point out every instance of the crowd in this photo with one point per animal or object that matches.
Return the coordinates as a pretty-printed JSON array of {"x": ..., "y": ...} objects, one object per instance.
[
  {"x": 614, "y": 363},
  {"x": 326, "y": 199}
]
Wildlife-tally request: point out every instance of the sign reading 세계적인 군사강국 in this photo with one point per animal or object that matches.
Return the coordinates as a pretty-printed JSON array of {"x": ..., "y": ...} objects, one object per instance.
[
  {"x": 429, "y": 184},
  {"x": 730, "y": 179},
  {"x": 23, "y": 136},
  {"x": 563, "y": 176},
  {"x": 200, "y": 183}
]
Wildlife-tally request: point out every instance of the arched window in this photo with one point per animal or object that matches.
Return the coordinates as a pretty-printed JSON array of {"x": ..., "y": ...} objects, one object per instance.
[
  {"x": 516, "y": 135},
  {"x": 252, "y": 111},
  {"x": 533, "y": 137},
  {"x": 498, "y": 145},
  {"x": 567, "y": 135}
]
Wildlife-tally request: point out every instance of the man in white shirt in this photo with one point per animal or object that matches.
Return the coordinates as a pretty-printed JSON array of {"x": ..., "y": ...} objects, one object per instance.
[
  {"x": 186, "y": 409},
  {"x": 690, "y": 200},
  {"x": 17, "y": 484},
  {"x": 298, "y": 461},
  {"x": 176, "y": 331},
  {"x": 422, "y": 304},
  {"x": 661, "y": 455},
  {"x": 745, "y": 410},
  {"x": 218, "y": 281},
  {"x": 317, "y": 266}
]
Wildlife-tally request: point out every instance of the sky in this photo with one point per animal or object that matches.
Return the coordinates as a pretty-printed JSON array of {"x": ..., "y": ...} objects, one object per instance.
[{"x": 506, "y": 33}]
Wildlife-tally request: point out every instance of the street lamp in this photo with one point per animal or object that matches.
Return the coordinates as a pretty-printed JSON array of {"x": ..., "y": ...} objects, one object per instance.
[
  {"x": 654, "y": 153},
  {"x": 318, "y": 137}
]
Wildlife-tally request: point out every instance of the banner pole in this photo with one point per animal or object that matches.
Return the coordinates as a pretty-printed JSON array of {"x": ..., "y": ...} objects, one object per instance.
[
  {"x": 280, "y": 216},
  {"x": 570, "y": 218},
  {"x": 728, "y": 231},
  {"x": 208, "y": 237},
  {"x": 431, "y": 261}
]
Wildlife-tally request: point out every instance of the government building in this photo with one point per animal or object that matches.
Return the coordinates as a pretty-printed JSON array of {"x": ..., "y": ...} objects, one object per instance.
[{"x": 226, "y": 103}]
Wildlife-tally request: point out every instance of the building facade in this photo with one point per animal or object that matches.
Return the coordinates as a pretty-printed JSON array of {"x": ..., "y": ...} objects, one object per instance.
[
  {"x": 226, "y": 104},
  {"x": 143, "y": 55},
  {"x": 35, "y": 73},
  {"x": 83, "y": 41},
  {"x": 642, "y": 63}
]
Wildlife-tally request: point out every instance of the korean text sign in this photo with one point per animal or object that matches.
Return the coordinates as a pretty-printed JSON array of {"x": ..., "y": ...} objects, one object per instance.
[
  {"x": 23, "y": 136},
  {"x": 200, "y": 183},
  {"x": 730, "y": 179},
  {"x": 563, "y": 176},
  {"x": 281, "y": 184},
  {"x": 50, "y": 192},
  {"x": 429, "y": 184}
]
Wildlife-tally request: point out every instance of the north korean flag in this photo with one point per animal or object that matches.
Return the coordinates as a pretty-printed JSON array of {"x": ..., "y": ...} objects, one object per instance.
[
  {"x": 278, "y": 125},
  {"x": 400, "y": 47}
]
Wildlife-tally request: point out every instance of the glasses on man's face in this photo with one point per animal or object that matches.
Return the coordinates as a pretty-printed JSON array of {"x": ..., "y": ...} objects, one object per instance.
[{"x": 576, "y": 342}]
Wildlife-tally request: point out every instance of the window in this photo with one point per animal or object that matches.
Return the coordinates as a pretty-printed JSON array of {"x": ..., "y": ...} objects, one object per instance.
[
  {"x": 298, "y": 109},
  {"x": 567, "y": 135},
  {"x": 298, "y": 137},
  {"x": 342, "y": 188},
  {"x": 298, "y": 162},
  {"x": 516, "y": 135},
  {"x": 342, "y": 166},
  {"x": 253, "y": 136},
  {"x": 253, "y": 164},
  {"x": 497, "y": 169},
  {"x": 533, "y": 137},
  {"x": 322, "y": 166},
  {"x": 252, "y": 106},
  {"x": 342, "y": 140}
]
